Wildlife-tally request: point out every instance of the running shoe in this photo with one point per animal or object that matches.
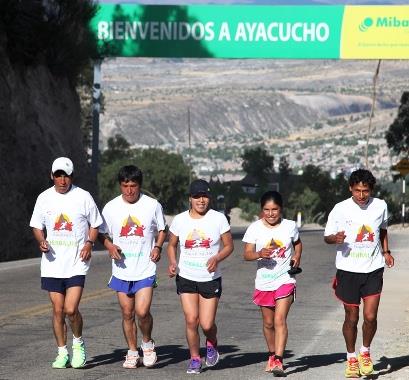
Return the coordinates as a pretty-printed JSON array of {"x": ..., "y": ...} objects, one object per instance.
[
  {"x": 352, "y": 369},
  {"x": 195, "y": 366},
  {"x": 79, "y": 356},
  {"x": 270, "y": 363},
  {"x": 212, "y": 355},
  {"x": 365, "y": 363},
  {"x": 131, "y": 361},
  {"x": 149, "y": 353},
  {"x": 277, "y": 368},
  {"x": 61, "y": 361}
]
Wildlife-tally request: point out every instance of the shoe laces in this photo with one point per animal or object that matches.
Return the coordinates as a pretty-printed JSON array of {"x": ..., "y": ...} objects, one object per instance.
[
  {"x": 79, "y": 349},
  {"x": 194, "y": 363},
  {"x": 278, "y": 363},
  {"x": 131, "y": 359},
  {"x": 271, "y": 360},
  {"x": 353, "y": 364},
  {"x": 366, "y": 358}
]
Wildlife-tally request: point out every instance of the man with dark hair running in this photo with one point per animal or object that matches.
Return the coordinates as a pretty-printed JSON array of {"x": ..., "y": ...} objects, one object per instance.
[
  {"x": 133, "y": 232},
  {"x": 65, "y": 224},
  {"x": 358, "y": 227}
]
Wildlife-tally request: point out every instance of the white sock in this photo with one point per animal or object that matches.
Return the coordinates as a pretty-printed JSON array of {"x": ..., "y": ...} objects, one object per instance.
[
  {"x": 364, "y": 350},
  {"x": 147, "y": 345},
  {"x": 133, "y": 353},
  {"x": 77, "y": 340},
  {"x": 62, "y": 350},
  {"x": 351, "y": 355}
]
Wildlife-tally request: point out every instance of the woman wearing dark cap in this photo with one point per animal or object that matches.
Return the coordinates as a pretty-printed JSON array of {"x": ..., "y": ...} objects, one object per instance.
[
  {"x": 271, "y": 240},
  {"x": 199, "y": 230}
]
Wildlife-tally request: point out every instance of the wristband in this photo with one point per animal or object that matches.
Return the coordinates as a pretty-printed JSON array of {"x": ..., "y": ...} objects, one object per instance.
[
  {"x": 90, "y": 241},
  {"x": 158, "y": 247},
  {"x": 387, "y": 251}
]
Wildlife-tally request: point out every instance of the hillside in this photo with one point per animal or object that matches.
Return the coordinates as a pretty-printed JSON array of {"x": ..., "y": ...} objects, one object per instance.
[{"x": 237, "y": 103}]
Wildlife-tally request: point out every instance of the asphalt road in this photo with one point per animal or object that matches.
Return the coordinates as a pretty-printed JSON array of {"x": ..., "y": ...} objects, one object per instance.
[{"x": 315, "y": 348}]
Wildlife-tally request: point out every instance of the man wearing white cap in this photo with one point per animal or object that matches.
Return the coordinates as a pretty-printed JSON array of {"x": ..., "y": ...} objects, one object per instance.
[{"x": 65, "y": 224}]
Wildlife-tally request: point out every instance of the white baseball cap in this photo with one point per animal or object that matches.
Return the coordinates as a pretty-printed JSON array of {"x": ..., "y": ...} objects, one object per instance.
[{"x": 64, "y": 164}]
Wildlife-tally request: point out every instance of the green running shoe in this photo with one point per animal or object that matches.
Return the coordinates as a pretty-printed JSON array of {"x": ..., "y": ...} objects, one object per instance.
[
  {"x": 79, "y": 357},
  {"x": 61, "y": 361}
]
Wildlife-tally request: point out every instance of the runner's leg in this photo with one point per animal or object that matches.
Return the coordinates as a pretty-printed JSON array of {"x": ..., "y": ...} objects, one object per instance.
[
  {"x": 280, "y": 323},
  {"x": 349, "y": 328},
  {"x": 59, "y": 325},
  {"x": 127, "y": 304},
  {"x": 71, "y": 304},
  {"x": 207, "y": 316},
  {"x": 190, "y": 306},
  {"x": 268, "y": 327},
  {"x": 143, "y": 301},
  {"x": 370, "y": 324}
]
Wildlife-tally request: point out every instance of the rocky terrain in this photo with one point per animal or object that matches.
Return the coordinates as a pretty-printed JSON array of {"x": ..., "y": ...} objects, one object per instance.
[
  {"x": 39, "y": 121},
  {"x": 309, "y": 111}
]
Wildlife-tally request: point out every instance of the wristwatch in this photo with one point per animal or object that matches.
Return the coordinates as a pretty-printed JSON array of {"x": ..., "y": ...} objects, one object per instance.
[
  {"x": 388, "y": 252},
  {"x": 158, "y": 247},
  {"x": 90, "y": 241}
]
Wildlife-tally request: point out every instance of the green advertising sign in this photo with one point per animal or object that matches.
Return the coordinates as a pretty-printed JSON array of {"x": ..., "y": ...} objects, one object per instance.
[{"x": 244, "y": 31}]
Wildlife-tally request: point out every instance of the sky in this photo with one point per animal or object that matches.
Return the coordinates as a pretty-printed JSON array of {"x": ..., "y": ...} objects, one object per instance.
[{"x": 264, "y": 2}]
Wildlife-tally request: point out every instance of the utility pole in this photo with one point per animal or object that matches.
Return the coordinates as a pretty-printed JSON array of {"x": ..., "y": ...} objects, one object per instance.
[
  {"x": 403, "y": 199},
  {"x": 190, "y": 145},
  {"x": 374, "y": 81},
  {"x": 96, "y": 107}
]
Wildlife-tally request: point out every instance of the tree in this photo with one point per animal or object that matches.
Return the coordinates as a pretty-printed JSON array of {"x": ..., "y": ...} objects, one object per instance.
[
  {"x": 117, "y": 147},
  {"x": 257, "y": 163},
  {"x": 54, "y": 33},
  {"x": 307, "y": 202},
  {"x": 165, "y": 175},
  {"x": 284, "y": 167},
  {"x": 315, "y": 193},
  {"x": 249, "y": 209},
  {"x": 397, "y": 135}
]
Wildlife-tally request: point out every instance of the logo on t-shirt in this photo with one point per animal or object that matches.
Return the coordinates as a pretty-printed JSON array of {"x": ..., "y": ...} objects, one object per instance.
[
  {"x": 277, "y": 247},
  {"x": 365, "y": 233},
  {"x": 196, "y": 239},
  {"x": 131, "y": 226},
  {"x": 63, "y": 223}
]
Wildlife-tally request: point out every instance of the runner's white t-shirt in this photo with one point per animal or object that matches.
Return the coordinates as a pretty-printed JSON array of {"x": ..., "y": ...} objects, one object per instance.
[
  {"x": 361, "y": 251},
  {"x": 133, "y": 227},
  {"x": 273, "y": 272},
  {"x": 199, "y": 239},
  {"x": 66, "y": 218}
]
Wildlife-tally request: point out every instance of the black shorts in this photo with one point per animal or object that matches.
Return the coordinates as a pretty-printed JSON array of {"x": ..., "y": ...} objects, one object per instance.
[
  {"x": 350, "y": 287},
  {"x": 207, "y": 289},
  {"x": 60, "y": 285}
]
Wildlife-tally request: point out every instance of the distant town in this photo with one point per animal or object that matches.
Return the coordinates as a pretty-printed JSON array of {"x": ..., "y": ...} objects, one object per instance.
[{"x": 310, "y": 112}]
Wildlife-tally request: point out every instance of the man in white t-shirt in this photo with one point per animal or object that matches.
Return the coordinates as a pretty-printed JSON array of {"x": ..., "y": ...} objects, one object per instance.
[
  {"x": 65, "y": 224},
  {"x": 358, "y": 226},
  {"x": 133, "y": 232}
]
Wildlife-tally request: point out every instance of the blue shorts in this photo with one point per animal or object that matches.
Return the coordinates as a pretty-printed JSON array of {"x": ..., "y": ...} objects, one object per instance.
[
  {"x": 131, "y": 287},
  {"x": 60, "y": 285}
]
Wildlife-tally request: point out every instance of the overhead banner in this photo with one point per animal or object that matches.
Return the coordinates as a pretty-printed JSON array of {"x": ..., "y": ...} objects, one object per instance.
[{"x": 245, "y": 31}]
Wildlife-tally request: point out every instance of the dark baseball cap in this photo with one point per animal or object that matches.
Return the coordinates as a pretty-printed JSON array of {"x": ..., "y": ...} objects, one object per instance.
[{"x": 199, "y": 187}]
